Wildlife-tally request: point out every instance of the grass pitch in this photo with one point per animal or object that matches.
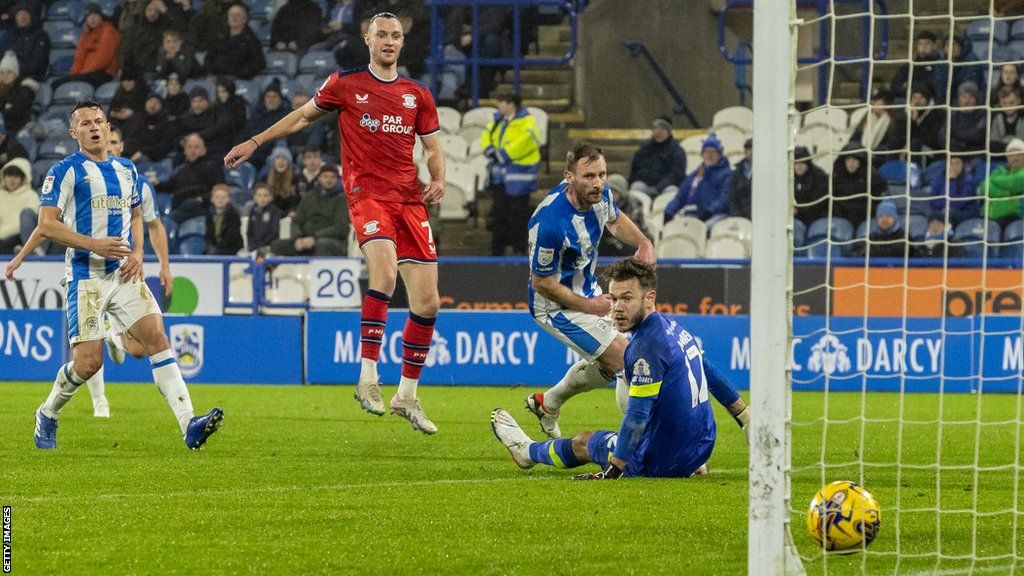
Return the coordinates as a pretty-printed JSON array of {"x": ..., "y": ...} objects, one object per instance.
[{"x": 300, "y": 480}]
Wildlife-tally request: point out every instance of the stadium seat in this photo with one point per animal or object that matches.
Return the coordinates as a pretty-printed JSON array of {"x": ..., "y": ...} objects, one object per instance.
[
  {"x": 799, "y": 232},
  {"x": 66, "y": 10},
  {"x": 65, "y": 36},
  {"x": 30, "y": 145},
  {"x": 240, "y": 282},
  {"x": 454, "y": 147},
  {"x": 840, "y": 231},
  {"x": 319, "y": 63},
  {"x": 109, "y": 6},
  {"x": 262, "y": 33},
  {"x": 192, "y": 245},
  {"x": 60, "y": 112},
  {"x": 57, "y": 149},
  {"x": 644, "y": 200},
  {"x": 450, "y": 119},
  {"x": 249, "y": 91},
  {"x": 194, "y": 83},
  {"x": 240, "y": 198},
  {"x": 310, "y": 82},
  {"x": 192, "y": 226},
  {"x": 43, "y": 96},
  {"x": 900, "y": 172},
  {"x": 660, "y": 202},
  {"x": 1002, "y": 54},
  {"x": 279, "y": 62},
  {"x": 734, "y": 227},
  {"x": 39, "y": 170},
  {"x": 693, "y": 229},
  {"x": 162, "y": 203},
  {"x": 679, "y": 247},
  {"x": 739, "y": 117},
  {"x": 836, "y": 119},
  {"x": 732, "y": 138},
  {"x": 242, "y": 176},
  {"x": 981, "y": 29},
  {"x": 60, "y": 66},
  {"x": 693, "y": 144},
  {"x": 288, "y": 284},
  {"x": 454, "y": 203},
  {"x": 72, "y": 92},
  {"x": 540, "y": 116},
  {"x": 973, "y": 232},
  {"x": 105, "y": 93},
  {"x": 726, "y": 247},
  {"x": 479, "y": 166},
  {"x": 55, "y": 28},
  {"x": 472, "y": 134},
  {"x": 481, "y": 116},
  {"x": 917, "y": 225},
  {"x": 55, "y": 128},
  {"x": 261, "y": 10},
  {"x": 1013, "y": 240}
]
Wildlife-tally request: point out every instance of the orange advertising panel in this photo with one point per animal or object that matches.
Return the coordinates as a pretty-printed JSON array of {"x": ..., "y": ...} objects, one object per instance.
[{"x": 925, "y": 292}]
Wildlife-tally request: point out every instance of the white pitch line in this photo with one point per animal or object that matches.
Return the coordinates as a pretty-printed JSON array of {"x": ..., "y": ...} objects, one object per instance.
[
  {"x": 963, "y": 571},
  {"x": 320, "y": 487}
]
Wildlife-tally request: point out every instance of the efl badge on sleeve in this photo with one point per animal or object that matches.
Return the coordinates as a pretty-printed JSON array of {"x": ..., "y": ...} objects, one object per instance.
[
  {"x": 545, "y": 256},
  {"x": 47, "y": 185}
]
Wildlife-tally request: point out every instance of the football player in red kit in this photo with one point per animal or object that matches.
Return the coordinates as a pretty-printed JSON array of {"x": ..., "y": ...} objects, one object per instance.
[{"x": 380, "y": 114}]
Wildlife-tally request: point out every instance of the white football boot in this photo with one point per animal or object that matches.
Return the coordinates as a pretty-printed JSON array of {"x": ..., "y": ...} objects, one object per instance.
[
  {"x": 411, "y": 410},
  {"x": 508, "y": 432},
  {"x": 368, "y": 394},
  {"x": 548, "y": 420}
]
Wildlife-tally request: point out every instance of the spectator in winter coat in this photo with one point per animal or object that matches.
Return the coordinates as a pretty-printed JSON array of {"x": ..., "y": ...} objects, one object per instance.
[
  {"x": 883, "y": 130},
  {"x": 130, "y": 97},
  {"x": 660, "y": 164},
  {"x": 272, "y": 108},
  {"x": 810, "y": 187},
  {"x": 16, "y": 196},
  {"x": 305, "y": 179},
  {"x": 207, "y": 23},
  {"x": 1009, "y": 75},
  {"x": 928, "y": 68},
  {"x": 142, "y": 37},
  {"x": 296, "y": 26},
  {"x": 1005, "y": 186},
  {"x": 96, "y": 52},
  {"x": 320, "y": 226},
  {"x": 264, "y": 220},
  {"x": 739, "y": 184},
  {"x": 176, "y": 102},
  {"x": 962, "y": 50},
  {"x": 236, "y": 51},
  {"x": 174, "y": 58},
  {"x": 192, "y": 180},
  {"x": 223, "y": 224},
  {"x": 704, "y": 194},
  {"x": 198, "y": 117},
  {"x": 926, "y": 121},
  {"x": 16, "y": 95},
  {"x": 856, "y": 186},
  {"x": 956, "y": 194},
  {"x": 30, "y": 43},
  {"x": 1008, "y": 123},
  {"x": 229, "y": 114},
  {"x": 281, "y": 180},
  {"x": 887, "y": 237},
  {"x": 967, "y": 124},
  {"x": 149, "y": 134}
]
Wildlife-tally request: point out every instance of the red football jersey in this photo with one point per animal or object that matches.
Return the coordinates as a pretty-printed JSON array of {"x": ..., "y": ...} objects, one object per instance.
[{"x": 379, "y": 121}]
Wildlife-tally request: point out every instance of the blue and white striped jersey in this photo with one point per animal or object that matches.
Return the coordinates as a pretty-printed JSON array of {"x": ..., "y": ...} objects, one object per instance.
[
  {"x": 96, "y": 200},
  {"x": 148, "y": 198},
  {"x": 564, "y": 241}
]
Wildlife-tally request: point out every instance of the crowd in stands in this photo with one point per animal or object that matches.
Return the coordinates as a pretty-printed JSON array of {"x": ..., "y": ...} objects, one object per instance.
[{"x": 185, "y": 80}]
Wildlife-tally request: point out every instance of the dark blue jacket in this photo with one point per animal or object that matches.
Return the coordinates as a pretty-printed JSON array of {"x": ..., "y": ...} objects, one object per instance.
[
  {"x": 962, "y": 205},
  {"x": 32, "y": 46},
  {"x": 707, "y": 189}
]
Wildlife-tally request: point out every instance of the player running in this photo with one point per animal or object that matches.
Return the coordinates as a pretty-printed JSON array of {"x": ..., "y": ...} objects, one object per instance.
[
  {"x": 669, "y": 428},
  {"x": 118, "y": 344},
  {"x": 564, "y": 296},
  {"x": 379, "y": 116},
  {"x": 90, "y": 203}
]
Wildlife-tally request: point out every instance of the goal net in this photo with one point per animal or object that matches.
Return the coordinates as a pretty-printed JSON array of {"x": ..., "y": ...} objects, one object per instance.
[{"x": 906, "y": 286}]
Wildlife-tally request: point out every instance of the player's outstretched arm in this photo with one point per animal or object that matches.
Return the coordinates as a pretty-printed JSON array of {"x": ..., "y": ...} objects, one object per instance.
[
  {"x": 295, "y": 120},
  {"x": 158, "y": 236},
  {"x": 550, "y": 288},
  {"x": 53, "y": 228},
  {"x": 34, "y": 240},
  {"x": 434, "y": 155},
  {"x": 626, "y": 230}
]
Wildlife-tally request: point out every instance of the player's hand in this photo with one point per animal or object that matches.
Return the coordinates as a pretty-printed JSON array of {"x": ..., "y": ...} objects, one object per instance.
[
  {"x": 132, "y": 268},
  {"x": 645, "y": 254},
  {"x": 589, "y": 476},
  {"x": 240, "y": 153},
  {"x": 112, "y": 247},
  {"x": 166, "y": 280},
  {"x": 13, "y": 265},
  {"x": 433, "y": 193},
  {"x": 599, "y": 306}
]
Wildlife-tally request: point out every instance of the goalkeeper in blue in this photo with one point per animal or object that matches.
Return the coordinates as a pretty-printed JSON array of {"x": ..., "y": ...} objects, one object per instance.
[{"x": 669, "y": 428}]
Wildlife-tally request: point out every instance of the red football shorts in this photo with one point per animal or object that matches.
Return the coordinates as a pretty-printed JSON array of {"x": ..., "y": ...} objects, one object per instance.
[{"x": 404, "y": 225}]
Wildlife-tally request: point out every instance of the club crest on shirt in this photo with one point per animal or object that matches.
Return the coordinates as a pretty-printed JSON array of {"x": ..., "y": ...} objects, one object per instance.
[
  {"x": 126, "y": 175},
  {"x": 409, "y": 100},
  {"x": 545, "y": 256},
  {"x": 371, "y": 227},
  {"x": 187, "y": 345},
  {"x": 362, "y": 98},
  {"x": 641, "y": 372}
]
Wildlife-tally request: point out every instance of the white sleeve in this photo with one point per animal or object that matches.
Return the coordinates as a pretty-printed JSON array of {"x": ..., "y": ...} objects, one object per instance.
[{"x": 148, "y": 202}]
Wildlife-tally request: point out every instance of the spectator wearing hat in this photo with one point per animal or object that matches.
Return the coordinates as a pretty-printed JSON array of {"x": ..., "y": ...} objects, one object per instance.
[
  {"x": 856, "y": 186},
  {"x": 955, "y": 195},
  {"x": 659, "y": 165},
  {"x": 967, "y": 121},
  {"x": 264, "y": 220},
  {"x": 96, "y": 52},
  {"x": 739, "y": 184},
  {"x": 198, "y": 117},
  {"x": 16, "y": 196},
  {"x": 961, "y": 52},
  {"x": 926, "y": 121},
  {"x": 175, "y": 58},
  {"x": 887, "y": 238},
  {"x": 512, "y": 144},
  {"x": 271, "y": 108},
  {"x": 192, "y": 180},
  {"x": 704, "y": 194},
  {"x": 16, "y": 96},
  {"x": 280, "y": 174},
  {"x": 883, "y": 130},
  {"x": 130, "y": 97},
  {"x": 176, "y": 102},
  {"x": 628, "y": 205},
  {"x": 236, "y": 51},
  {"x": 149, "y": 134},
  {"x": 1008, "y": 123},
  {"x": 223, "y": 224},
  {"x": 810, "y": 187},
  {"x": 320, "y": 226},
  {"x": 928, "y": 68},
  {"x": 1004, "y": 188},
  {"x": 30, "y": 43}
]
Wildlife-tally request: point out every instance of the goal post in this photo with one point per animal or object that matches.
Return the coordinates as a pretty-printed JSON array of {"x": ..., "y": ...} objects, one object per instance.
[{"x": 769, "y": 542}]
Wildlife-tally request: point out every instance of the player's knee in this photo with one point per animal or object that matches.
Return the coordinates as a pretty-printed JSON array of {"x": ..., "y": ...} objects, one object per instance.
[
  {"x": 580, "y": 447},
  {"x": 86, "y": 366},
  {"x": 428, "y": 306}
]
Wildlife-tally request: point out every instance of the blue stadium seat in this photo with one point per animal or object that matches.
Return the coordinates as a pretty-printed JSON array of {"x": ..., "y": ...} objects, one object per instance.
[
  {"x": 192, "y": 245},
  {"x": 108, "y": 6},
  {"x": 239, "y": 197},
  {"x": 281, "y": 63},
  {"x": 72, "y": 92},
  {"x": 39, "y": 170},
  {"x": 43, "y": 96},
  {"x": 65, "y": 37},
  {"x": 862, "y": 230},
  {"x": 163, "y": 204},
  {"x": 55, "y": 128},
  {"x": 1013, "y": 235},
  {"x": 66, "y": 10},
  {"x": 249, "y": 90},
  {"x": 262, "y": 33},
  {"x": 320, "y": 63},
  {"x": 917, "y": 226},
  {"x": 311, "y": 82},
  {"x": 210, "y": 87},
  {"x": 192, "y": 226},
  {"x": 799, "y": 233},
  {"x": 61, "y": 66},
  {"x": 60, "y": 112},
  {"x": 980, "y": 29},
  {"x": 261, "y": 10},
  {"x": 30, "y": 145},
  {"x": 973, "y": 232},
  {"x": 105, "y": 93},
  {"x": 1002, "y": 54},
  {"x": 158, "y": 171},
  {"x": 57, "y": 149},
  {"x": 899, "y": 172},
  {"x": 242, "y": 176},
  {"x": 1017, "y": 30}
]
